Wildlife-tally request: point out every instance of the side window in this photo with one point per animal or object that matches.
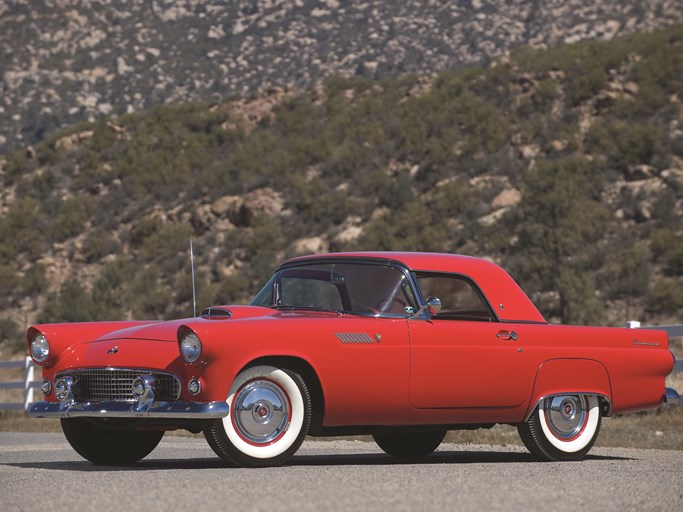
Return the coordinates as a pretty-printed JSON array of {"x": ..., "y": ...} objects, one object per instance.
[{"x": 460, "y": 299}]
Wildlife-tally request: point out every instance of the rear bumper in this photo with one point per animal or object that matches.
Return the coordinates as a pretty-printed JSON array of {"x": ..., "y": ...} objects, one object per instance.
[
  {"x": 111, "y": 409},
  {"x": 672, "y": 397}
]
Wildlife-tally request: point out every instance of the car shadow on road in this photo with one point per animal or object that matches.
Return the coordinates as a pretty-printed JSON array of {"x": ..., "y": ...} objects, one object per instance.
[
  {"x": 443, "y": 457},
  {"x": 364, "y": 459}
]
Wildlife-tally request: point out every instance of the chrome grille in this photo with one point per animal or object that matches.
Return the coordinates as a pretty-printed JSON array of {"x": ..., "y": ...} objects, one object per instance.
[{"x": 116, "y": 384}]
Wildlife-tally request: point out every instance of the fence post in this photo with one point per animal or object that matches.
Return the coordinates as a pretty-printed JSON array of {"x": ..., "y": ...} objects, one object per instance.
[{"x": 28, "y": 380}]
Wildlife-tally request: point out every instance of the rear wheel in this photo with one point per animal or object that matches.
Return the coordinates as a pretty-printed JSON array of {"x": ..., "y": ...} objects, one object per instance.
[
  {"x": 409, "y": 444},
  {"x": 270, "y": 413},
  {"x": 563, "y": 427},
  {"x": 103, "y": 445}
]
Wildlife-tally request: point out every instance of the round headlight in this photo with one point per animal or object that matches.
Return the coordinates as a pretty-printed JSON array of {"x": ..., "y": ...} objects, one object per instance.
[
  {"x": 40, "y": 348},
  {"x": 190, "y": 347}
]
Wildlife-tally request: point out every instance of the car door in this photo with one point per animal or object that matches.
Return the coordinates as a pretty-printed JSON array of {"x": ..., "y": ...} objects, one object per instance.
[
  {"x": 463, "y": 357},
  {"x": 351, "y": 322},
  {"x": 365, "y": 370}
]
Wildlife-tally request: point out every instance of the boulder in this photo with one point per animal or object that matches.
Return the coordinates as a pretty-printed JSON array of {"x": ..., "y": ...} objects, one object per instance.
[
  {"x": 310, "y": 245},
  {"x": 242, "y": 210},
  {"x": 529, "y": 151},
  {"x": 70, "y": 142},
  {"x": 640, "y": 172},
  {"x": 506, "y": 198}
]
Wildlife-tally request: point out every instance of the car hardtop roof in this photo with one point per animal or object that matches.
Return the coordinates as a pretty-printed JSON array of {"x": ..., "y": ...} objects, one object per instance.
[
  {"x": 504, "y": 295},
  {"x": 428, "y": 261}
]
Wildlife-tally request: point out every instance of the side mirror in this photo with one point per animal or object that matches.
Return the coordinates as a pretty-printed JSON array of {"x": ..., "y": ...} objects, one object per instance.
[{"x": 433, "y": 306}]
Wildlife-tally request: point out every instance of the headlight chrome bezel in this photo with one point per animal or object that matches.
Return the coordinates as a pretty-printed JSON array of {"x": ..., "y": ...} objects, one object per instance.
[
  {"x": 64, "y": 388},
  {"x": 46, "y": 387},
  {"x": 40, "y": 348},
  {"x": 194, "y": 386},
  {"x": 190, "y": 347}
]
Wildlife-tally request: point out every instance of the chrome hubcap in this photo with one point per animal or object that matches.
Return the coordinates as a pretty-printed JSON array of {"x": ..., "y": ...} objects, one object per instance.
[
  {"x": 565, "y": 415},
  {"x": 261, "y": 411}
]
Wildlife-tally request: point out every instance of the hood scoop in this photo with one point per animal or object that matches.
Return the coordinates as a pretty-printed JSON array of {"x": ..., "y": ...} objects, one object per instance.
[{"x": 216, "y": 313}]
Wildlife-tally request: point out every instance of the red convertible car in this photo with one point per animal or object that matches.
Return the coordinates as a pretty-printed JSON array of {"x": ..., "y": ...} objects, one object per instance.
[{"x": 401, "y": 346}]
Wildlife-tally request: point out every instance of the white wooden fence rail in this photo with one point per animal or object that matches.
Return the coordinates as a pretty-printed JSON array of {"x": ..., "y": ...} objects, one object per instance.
[{"x": 28, "y": 384}]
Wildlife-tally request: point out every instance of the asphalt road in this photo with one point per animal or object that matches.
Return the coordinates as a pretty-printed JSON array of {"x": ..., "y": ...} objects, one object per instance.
[{"x": 41, "y": 472}]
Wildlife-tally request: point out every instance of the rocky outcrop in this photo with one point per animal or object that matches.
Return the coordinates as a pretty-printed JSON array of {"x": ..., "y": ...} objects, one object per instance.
[
  {"x": 62, "y": 62},
  {"x": 70, "y": 142},
  {"x": 228, "y": 212}
]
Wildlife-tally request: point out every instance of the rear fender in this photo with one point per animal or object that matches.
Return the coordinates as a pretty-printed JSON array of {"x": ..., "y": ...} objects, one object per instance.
[{"x": 571, "y": 376}]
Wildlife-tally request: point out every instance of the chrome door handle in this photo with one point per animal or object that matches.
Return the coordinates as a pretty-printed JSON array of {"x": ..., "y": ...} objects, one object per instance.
[{"x": 508, "y": 335}]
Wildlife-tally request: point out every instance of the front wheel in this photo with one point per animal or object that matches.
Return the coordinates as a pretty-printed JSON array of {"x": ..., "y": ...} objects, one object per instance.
[
  {"x": 409, "y": 444},
  {"x": 270, "y": 413},
  {"x": 563, "y": 427},
  {"x": 103, "y": 444}
]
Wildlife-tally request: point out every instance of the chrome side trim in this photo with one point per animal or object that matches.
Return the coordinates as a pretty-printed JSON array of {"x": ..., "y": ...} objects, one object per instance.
[
  {"x": 110, "y": 409},
  {"x": 606, "y": 402},
  {"x": 671, "y": 397}
]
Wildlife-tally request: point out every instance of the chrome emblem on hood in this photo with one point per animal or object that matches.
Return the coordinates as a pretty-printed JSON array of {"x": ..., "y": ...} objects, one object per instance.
[{"x": 113, "y": 350}]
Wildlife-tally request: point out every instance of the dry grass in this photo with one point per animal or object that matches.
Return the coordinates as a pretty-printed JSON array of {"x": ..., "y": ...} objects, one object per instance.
[{"x": 18, "y": 421}]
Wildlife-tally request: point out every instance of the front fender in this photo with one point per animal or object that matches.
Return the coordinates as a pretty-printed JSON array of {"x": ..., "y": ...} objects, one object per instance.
[
  {"x": 64, "y": 337},
  {"x": 562, "y": 376}
]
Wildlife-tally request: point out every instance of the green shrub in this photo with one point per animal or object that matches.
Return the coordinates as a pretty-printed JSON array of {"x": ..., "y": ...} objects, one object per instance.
[
  {"x": 558, "y": 225},
  {"x": 627, "y": 270},
  {"x": 33, "y": 282},
  {"x": 24, "y": 230},
  {"x": 98, "y": 245},
  {"x": 70, "y": 219},
  {"x": 72, "y": 304},
  {"x": 667, "y": 247},
  {"x": 625, "y": 143},
  {"x": 11, "y": 336},
  {"x": 666, "y": 296}
]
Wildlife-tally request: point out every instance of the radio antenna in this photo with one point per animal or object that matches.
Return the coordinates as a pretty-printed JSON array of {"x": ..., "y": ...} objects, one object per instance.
[{"x": 194, "y": 292}]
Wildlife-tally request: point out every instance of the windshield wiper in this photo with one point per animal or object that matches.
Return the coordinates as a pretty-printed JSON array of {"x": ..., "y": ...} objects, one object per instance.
[{"x": 309, "y": 307}]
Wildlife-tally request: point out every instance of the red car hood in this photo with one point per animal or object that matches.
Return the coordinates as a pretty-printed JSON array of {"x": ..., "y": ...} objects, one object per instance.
[
  {"x": 142, "y": 345},
  {"x": 156, "y": 331},
  {"x": 168, "y": 331}
]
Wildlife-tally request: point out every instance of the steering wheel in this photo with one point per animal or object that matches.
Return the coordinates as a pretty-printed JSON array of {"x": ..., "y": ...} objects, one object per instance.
[{"x": 383, "y": 304}]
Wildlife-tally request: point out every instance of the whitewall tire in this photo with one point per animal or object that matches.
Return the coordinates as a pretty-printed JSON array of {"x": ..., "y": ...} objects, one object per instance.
[
  {"x": 563, "y": 427},
  {"x": 270, "y": 413}
]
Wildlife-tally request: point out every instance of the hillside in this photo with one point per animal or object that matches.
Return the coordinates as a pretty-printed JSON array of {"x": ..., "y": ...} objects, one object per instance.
[
  {"x": 565, "y": 165},
  {"x": 62, "y": 62}
]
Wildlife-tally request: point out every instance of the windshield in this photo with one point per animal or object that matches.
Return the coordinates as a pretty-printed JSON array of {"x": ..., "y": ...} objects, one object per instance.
[{"x": 360, "y": 288}]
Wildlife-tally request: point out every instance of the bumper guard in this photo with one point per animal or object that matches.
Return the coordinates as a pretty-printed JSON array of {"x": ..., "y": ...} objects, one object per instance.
[{"x": 672, "y": 397}]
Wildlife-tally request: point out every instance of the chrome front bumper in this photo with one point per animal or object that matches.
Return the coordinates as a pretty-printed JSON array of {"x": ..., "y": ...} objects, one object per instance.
[
  {"x": 672, "y": 397},
  {"x": 111, "y": 409}
]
